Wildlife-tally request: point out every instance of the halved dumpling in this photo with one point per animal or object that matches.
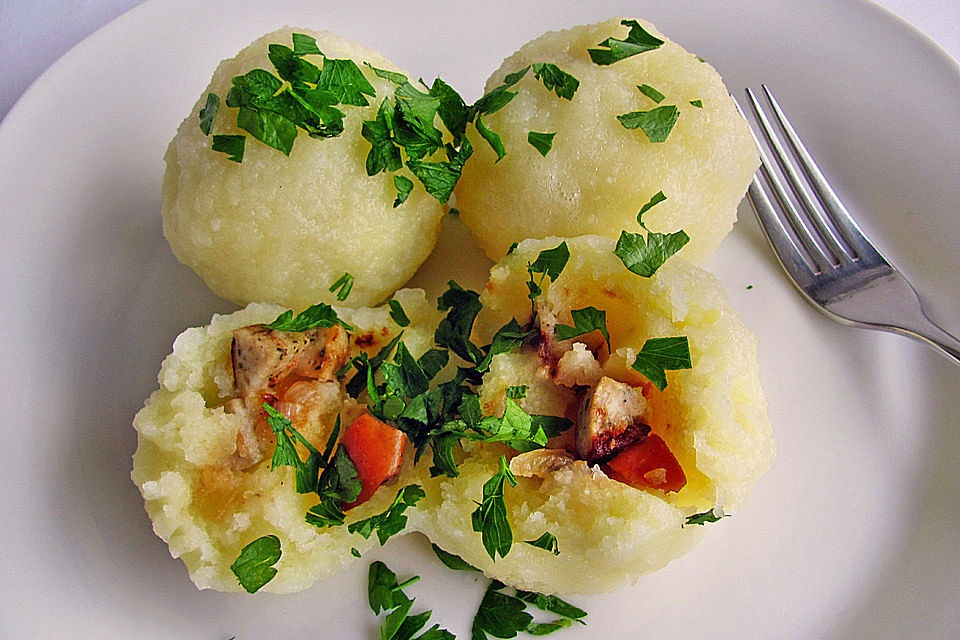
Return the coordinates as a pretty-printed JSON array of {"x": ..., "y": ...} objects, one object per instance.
[
  {"x": 598, "y": 174},
  {"x": 712, "y": 419},
  {"x": 203, "y": 459}
]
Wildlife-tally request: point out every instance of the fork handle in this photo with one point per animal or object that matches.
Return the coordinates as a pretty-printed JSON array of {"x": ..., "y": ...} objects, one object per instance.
[{"x": 925, "y": 330}]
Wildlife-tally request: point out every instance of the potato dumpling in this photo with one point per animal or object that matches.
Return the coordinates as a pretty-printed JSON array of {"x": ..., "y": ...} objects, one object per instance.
[
  {"x": 599, "y": 174},
  {"x": 206, "y": 507},
  {"x": 282, "y": 229},
  {"x": 712, "y": 417}
]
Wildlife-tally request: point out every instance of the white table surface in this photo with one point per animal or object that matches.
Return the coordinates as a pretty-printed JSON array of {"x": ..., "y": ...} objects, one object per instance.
[{"x": 35, "y": 33}]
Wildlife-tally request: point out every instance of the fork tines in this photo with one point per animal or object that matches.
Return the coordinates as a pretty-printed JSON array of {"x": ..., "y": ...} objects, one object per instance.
[{"x": 817, "y": 230}]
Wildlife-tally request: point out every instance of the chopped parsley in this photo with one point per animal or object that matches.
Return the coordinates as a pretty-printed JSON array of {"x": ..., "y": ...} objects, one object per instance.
[
  {"x": 651, "y": 93},
  {"x": 209, "y": 112},
  {"x": 392, "y": 521},
  {"x": 547, "y": 541},
  {"x": 452, "y": 561},
  {"x": 645, "y": 255},
  {"x": 404, "y": 186},
  {"x": 342, "y": 286},
  {"x": 697, "y": 103},
  {"x": 661, "y": 354},
  {"x": 305, "y": 45},
  {"x": 711, "y": 515},
  {"x": 584, "y": 321},
  {"x": 285, "y": 453},
  {"x": 504, "y": 616},
  {"x": 656, "y": 123},
  {"x": 392, "y": 76},
  {"x": 254, "y": 566},
  {"x": 318, "y": 315},
  {"x": 493, "y": 139},
  {"x": 398, "y": 314},
  {"x": 549, "y": 263},
  {"x": 613, "y": 50},
  {"x": 490, "y": 517},
  {"x": 230, "y": 145},
  {"x": 517, "y": 392},
  {"x": 385, "y": 593},
  {"x": 542, "y": 142}
]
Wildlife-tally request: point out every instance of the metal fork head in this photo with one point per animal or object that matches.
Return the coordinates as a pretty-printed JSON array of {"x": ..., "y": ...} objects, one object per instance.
[{"x": 820, "y": 246}]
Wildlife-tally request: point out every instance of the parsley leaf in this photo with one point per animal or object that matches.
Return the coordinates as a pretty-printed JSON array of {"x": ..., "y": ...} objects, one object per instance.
[
  {"x": 697, "y": 103},
  {"x": 382, "y": 588},
  {"x": 209, "y": 112},
  {"x": 385, "y": 594},
  {"x": 342, "y": 286},
  {"x": 556, "y": 79},
  {"x": 318, "y": 315},
  {"x": 504, "y": 616},
  {"x": 254, "y": 566},
  {"x": 584, "y": 321},
  {"x": 651, "y": 93},
  {"x": 551, "y": 261},
  {"x": 644, "y": 255},
  {"x": 496, "y": 143},
  {"x": 439, "y": 178},
  {"x": 404, "y": 186},
  {"x": 506, "y": 339},
  {"x": 453, "y": 332},
  {"x": 343, "y": 78},
  {"x": 392, "y": 521},
  {"x": 384, "y": 154},
  {"x": 661, "y": 354},
  {"x": 285, "y": 453},
  {"x": 711, "y": 515},
  {"x": 490, "y": 517},
  {"x": 392, "y": 76},
  {"x": 305, "y": 45},
  {"x": 657, "y": 198},
  {"x": 269, "y": 127},
  {"x": 517, "y": 392},
  {"x": 452, "y": 561},
  {"x": 552, "y": 604},
  {"x": 413, "y": 121},
  {"x": 542, "y": 142},
  {"x": 547, "y": 541},
  {"x": 398, "y": 314},
  {"x": 452, "y": 111},
  {"x": 655, "y": 123},
  {"x": 230, "y": 145},
  {"x": 637, "y": 41},
  {"x": 354, "y": 552}
]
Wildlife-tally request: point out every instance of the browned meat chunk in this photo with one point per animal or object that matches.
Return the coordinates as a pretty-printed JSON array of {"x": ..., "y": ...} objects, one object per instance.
[
  {"x": 611, "y": 418},
  {"x": 263, "y": 357}
]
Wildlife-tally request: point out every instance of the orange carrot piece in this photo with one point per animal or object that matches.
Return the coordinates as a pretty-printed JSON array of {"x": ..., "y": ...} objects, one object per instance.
[
  {"x": 647, "y": 464},
  {"x": 376, "y": 450}
]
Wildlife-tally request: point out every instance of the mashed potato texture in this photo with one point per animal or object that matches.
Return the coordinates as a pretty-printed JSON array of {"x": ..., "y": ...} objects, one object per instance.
[
  {"x": 712, "y": 416},
  {"x": 282, "y": 229},
  {"x": 598, "y": 173},
  {"x": 206, "y": 511}
]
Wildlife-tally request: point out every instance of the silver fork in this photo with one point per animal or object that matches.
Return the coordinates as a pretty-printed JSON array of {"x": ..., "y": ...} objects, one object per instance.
[{"x": 821, "y": 248}]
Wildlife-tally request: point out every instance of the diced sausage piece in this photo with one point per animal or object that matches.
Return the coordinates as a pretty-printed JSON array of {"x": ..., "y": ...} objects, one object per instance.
[
  {"x": 540, "y": 462},
  {"x": 376, "y": 450},
  {"x": 262, "y": 357},
  {"x": 647, "y": 464},
  {"x": 611, "y": 418}
]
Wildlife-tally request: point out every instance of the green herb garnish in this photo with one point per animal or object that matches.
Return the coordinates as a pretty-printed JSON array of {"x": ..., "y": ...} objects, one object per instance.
[
  {"x": 342, "y": 286},
  {"x": 392, "y": 76},
  {"x": 493, "y": 139},
  {"x": 651, "y": 93},
  {"x": 392, "y": 521},
  {"x": 645, "y": 255},
  {"x": 549, "y": 263},
  {"x": 305, "y": 45},
  {"x": 655, "y": 123},
  {"x": 697, "y": 103},
  {"x": 209, "y": 112},
  {"x": 318, "y": 315},
  {"x": 614, "y": 50},
  {"x": 584, "y": 321},
  {"x": 452, "y": 561},
  {"x": 398, "y": 314},
  {"x": 661, "y": 354},
  {"x": 230, "y": 145},
  {"x": 504, "y": 616},
  {"x": 254, "y": 566},
  {"x": 547, "y": 541},
  {"x": 542, "y": 142},
  {"x": 517, "y": 392},
  {"x": 711, "y": 515},
  {"x": 490, "y": 517},
  {"x": 385, "y": 593},
  {"x": 404, "y": 186}
]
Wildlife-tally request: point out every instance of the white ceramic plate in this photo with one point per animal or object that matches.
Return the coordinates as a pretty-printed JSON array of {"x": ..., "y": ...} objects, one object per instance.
[{"x": 852, "y": 534}]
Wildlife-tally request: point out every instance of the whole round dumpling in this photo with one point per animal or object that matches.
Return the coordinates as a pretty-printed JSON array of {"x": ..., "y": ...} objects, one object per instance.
[
  {"x": 598, "y": 174},
  {"x": 283, "y": 229},
  {"x": 712, "y": 418},
  {"x": 205, "y": 471}
]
